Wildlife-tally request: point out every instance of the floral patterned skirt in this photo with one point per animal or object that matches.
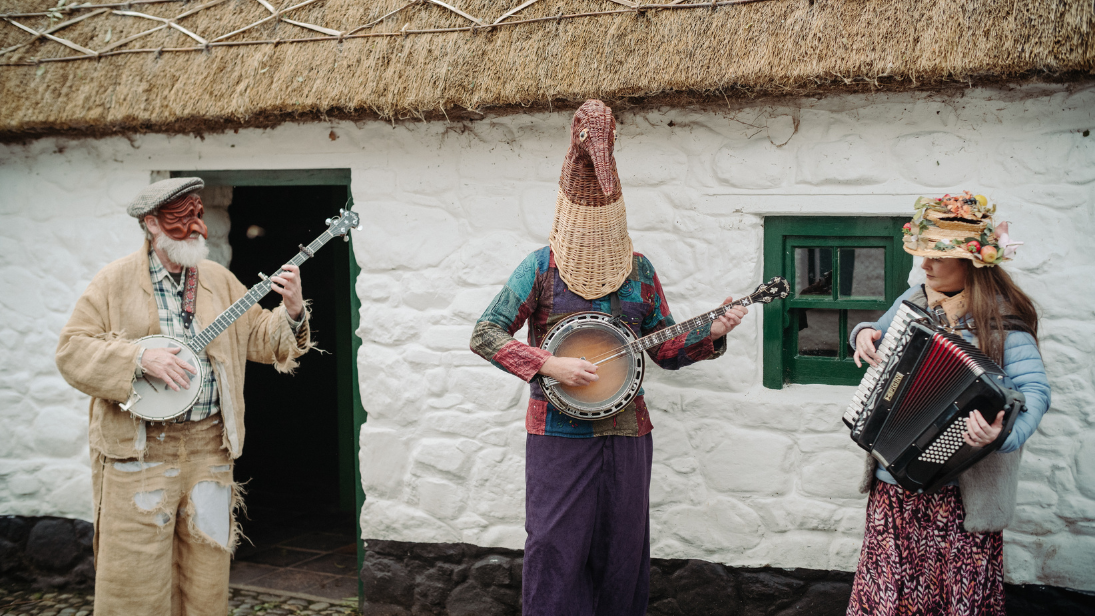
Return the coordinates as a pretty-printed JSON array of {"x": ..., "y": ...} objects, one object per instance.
[{"x": 917, "y": 560}]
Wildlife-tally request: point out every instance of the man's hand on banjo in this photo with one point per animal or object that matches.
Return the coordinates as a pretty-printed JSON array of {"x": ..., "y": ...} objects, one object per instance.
[
  {"x": 164, "y": 365},
  {"x": 569, "y": 371},
  {"x": 727, "y": 322},
  {"x": 287, "y": 285}
]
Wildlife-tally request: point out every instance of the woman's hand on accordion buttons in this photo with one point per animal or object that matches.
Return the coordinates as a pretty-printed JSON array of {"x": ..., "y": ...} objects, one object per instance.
[
  {"x": 570, "y": 370},
  {"x": 864, "y": 347},
  {"x": 979, "y": 432}
]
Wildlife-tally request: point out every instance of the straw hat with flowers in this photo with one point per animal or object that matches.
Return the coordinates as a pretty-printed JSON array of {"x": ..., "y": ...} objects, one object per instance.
[{"x": 958, "y": 227}]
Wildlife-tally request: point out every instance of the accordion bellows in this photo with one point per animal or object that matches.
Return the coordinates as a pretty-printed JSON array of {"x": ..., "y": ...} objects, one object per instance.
[{"x": 591, "y": 245}]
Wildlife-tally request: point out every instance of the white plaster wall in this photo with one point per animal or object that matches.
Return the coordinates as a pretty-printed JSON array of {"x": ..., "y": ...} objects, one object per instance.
[{"x": 743, "y": 475}]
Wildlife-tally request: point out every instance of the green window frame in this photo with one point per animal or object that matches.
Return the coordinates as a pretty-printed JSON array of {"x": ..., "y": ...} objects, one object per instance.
[{"x": 834, "y": 237}]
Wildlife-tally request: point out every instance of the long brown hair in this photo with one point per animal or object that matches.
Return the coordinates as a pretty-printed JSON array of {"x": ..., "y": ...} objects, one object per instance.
[{"x": 997, "y": 304}]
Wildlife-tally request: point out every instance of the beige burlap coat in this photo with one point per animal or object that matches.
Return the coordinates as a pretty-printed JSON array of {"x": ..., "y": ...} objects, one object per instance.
[{"x": 97, "y": 356}]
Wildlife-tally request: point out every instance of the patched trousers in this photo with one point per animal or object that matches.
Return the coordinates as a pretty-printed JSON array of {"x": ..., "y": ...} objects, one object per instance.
[
  {"x": 587, "y": 514},
  {"x": 164, "y": 527}
]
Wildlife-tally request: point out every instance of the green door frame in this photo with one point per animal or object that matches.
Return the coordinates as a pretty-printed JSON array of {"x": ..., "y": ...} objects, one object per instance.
[{"x": 351, "y": 411}]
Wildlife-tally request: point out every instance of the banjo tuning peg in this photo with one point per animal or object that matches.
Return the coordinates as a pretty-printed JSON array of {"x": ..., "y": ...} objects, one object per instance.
[{"x": 327, "y": 222}]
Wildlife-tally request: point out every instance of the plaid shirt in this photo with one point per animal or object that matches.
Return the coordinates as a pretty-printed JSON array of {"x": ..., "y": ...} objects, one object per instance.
[
  {"x": 168, "y": 296},
  {"x": 535, "y": 292}
]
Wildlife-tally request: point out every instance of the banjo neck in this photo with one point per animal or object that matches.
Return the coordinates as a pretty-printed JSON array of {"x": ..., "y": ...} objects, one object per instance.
[
  {"x": 671, "y": 332},
  {"x": 252, "y": 297},
  {"x": 592, "y": 336}
]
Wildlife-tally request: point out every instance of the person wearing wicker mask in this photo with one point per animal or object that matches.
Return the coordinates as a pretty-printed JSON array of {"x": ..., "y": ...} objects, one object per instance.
[
  {"x": 942, "y": 553},
  {"x": 587, "y": 483}
]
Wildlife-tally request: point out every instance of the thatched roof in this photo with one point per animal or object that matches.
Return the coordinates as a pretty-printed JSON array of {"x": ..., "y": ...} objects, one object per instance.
[{"x": 194, "y": 74}]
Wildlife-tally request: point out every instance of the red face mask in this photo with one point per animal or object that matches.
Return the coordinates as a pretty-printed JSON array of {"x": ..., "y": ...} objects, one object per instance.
[{"x": 183, "y": 217}]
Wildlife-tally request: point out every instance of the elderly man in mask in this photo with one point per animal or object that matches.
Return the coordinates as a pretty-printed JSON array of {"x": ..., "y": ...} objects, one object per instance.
[{"x": 164, "y": 497}]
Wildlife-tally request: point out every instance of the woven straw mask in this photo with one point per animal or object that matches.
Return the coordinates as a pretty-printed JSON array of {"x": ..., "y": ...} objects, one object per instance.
[{"x": 589, "y": 235}]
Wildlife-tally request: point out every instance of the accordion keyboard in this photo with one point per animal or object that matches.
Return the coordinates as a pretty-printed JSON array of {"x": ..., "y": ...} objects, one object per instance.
[
  {"x": 894, "y": 339},
  {"x": 946, "y": 445}
]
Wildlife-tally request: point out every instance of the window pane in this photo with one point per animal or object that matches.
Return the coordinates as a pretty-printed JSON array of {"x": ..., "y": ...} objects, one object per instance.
[
  {"x": 819, "y": 332},
  {"x": 855, "y": 317},
  {"x": 814, "y": 271},
  {"x": 863, "y": 272}
]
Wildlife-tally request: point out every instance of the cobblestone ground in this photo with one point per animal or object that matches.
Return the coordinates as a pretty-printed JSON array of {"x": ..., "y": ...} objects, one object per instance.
[{"x": 240, "y": 603}]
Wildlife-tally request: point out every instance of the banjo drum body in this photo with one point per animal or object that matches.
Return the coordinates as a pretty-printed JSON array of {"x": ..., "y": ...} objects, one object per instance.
[
  {"x": 594, "y": 336},
  {"x": 158, "y": 401}
]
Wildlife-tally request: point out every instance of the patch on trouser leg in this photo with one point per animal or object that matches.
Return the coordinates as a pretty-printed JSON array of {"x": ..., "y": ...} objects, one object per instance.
[
  {"x": 211, "y": 511},
  {"x": 147, "y": 501},
  {"x": 135, "y": 466}
]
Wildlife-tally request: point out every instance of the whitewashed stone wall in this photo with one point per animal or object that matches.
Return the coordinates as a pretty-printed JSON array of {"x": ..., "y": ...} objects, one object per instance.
[{"x": 742, "y": 475}]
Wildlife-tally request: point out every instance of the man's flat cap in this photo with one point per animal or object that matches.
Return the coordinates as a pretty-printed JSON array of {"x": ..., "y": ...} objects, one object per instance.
[{"x": 161, "y": 193}]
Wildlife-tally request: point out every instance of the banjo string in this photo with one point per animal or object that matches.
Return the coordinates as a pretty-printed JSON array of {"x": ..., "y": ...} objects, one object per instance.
[{"x": 631, "y": 347}]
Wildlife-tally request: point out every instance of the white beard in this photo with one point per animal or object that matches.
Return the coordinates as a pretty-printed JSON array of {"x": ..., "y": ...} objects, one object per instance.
[{"x": 187, "y": 253}]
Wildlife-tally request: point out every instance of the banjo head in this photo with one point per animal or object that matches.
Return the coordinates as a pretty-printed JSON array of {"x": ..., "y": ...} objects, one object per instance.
[
  {"x": 157, "y": 401},
  {"x": 594, "y": 336}
]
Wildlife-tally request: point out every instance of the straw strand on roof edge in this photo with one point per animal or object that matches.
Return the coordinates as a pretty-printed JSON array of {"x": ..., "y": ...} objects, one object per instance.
[
  {"x": 645, "y": 56},
  {"x": 331, "y": 34}
]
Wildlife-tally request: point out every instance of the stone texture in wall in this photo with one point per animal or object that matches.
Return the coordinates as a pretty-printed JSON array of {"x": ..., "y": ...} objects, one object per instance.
[
  {"x": 46, "y": 552},
  {"x": 399, "y": 578},
  {"x": 403, "y": 579},
  {"x": 215, "y": 200},
  {"x": 465, "y": 580},
  {"x": 62, "y": 218}
]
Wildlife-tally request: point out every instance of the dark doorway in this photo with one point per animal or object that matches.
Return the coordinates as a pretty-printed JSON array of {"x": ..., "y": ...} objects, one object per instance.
[{"x": 300, "y": 501}]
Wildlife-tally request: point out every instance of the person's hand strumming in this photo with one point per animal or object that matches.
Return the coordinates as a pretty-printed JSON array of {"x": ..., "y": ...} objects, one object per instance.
[
  {"x": 164, "y": 365},
  {"x": 570, "y": 371}
]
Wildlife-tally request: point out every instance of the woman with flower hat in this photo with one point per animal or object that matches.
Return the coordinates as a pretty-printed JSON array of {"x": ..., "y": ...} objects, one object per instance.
[{"x": 942, "y": 553}]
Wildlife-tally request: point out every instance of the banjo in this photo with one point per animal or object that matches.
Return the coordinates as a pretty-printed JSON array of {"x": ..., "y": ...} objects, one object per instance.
[
  {"x": 152, "y": 399},
  {"x": 611, "y": 346}
]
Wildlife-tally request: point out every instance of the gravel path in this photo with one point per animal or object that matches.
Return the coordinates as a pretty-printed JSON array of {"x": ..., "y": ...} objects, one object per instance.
[{"x": 240, "y": 603}]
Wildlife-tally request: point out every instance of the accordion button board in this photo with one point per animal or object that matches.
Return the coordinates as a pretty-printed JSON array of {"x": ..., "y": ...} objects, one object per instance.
[{"x": 910, "y": 410}]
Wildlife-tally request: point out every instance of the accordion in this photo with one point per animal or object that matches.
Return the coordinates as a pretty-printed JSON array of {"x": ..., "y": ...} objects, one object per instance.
[{"x": 910, "y": 410}]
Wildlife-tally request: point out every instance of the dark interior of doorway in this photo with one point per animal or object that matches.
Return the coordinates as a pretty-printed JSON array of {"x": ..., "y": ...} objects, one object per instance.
[{"x": 299, "y": 521}]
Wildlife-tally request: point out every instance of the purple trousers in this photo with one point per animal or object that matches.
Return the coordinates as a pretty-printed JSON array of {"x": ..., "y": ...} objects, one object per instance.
[{"x": 587, "y": 514}]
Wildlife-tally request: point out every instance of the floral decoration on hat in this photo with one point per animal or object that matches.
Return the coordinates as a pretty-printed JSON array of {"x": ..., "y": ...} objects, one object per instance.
[{"x": 958, "y": 227}]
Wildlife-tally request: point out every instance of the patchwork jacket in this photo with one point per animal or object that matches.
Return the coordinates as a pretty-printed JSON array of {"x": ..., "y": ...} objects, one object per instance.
[
  {"x": 537, "y": 294},
  {"x": 96, "y": 353}
]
